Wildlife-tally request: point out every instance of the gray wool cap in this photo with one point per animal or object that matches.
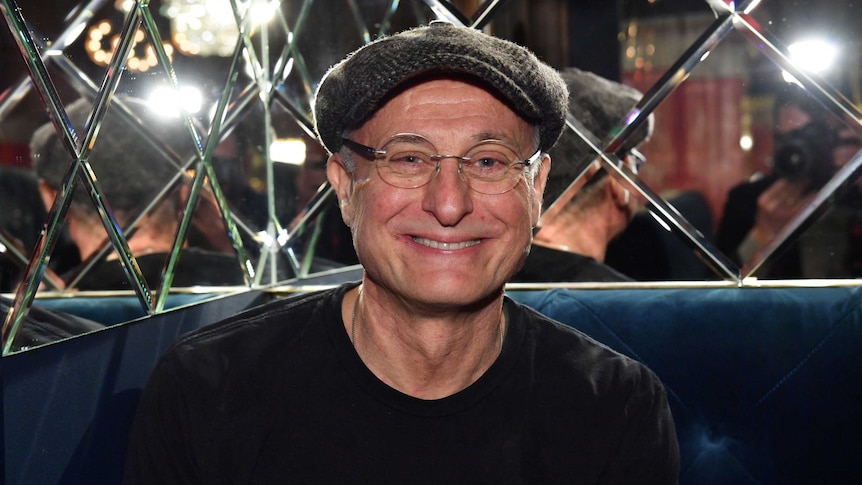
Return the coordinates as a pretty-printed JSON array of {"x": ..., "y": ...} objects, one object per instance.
[
  {"x": 129, "y": 169},
  {"x": 600, "y": 105},
  {"x": 355, "y": 88}
]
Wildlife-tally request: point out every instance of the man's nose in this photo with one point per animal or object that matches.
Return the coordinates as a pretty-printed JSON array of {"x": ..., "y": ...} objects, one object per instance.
[{"x": 448, "y": 195}]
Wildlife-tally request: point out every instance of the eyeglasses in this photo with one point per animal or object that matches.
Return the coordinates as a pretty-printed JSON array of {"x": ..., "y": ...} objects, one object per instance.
[
  {"x": 638, "y": 158},
  {"x": 408, "y": 161}
]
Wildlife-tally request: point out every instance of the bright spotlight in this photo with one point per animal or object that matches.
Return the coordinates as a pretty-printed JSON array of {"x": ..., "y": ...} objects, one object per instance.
[
  {"x": 169, "y": 102},
  {"x": 288, "y": 150},
  {"x": 816, "y": 56},
  {"x": 263, "y": 12}
]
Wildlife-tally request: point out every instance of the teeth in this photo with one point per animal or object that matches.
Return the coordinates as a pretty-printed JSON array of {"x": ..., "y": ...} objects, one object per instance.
[{"x": 444, "y": 245}]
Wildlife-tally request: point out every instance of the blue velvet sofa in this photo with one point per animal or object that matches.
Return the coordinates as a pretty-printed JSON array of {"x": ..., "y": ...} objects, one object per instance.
[{"x": 765, "y": 384}]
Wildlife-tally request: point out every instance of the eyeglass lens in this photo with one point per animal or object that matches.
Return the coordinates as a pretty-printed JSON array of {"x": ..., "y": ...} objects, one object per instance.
[{"x": 490, "y": 168}]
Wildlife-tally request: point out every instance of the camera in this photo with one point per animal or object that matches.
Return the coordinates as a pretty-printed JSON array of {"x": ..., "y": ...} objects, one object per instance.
[{"x": 805, "y": 154}]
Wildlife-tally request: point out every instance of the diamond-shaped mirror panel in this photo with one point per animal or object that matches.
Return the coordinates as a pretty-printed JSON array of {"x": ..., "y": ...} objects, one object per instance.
[
  {"x": 713, "y": 127},
  {"x": 821, "y": 36}
]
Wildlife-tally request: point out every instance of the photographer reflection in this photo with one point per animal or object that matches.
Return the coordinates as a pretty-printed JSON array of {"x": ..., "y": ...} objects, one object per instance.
[
  {"x": 809, "y": 148},
  {"x": 571, "y": 245},
  {"x": 130, "y": 172}
]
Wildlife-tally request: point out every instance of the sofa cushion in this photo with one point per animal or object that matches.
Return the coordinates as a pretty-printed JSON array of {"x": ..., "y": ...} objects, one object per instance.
[{"x": 765, "y": 384}]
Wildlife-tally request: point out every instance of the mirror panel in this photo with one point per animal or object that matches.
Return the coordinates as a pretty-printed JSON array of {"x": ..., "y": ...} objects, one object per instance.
[
  {"x": 247, "y": 87},
  {"x": 823, "y": 36},
  {"x": 715, "y": 131}
]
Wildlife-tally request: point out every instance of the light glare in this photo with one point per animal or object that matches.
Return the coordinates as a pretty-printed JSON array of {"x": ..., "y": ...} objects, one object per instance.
[
  {"x": 169, "y": 102},
  {"x": 813, "y": 55},
  {"x": 288, "y": 150},
  {"x": 262, "y": 13}
]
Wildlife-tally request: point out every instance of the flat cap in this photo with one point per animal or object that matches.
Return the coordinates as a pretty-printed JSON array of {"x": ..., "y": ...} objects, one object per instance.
[
  {"x": 352, "y": 90},
  {"x": 600, "y": 105},
  {"x": 130, "y": 169}
]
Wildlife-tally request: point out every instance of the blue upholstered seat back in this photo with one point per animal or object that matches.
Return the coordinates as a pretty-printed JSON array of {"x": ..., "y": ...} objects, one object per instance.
[
  {"x": 68, "y": 406},
  {"x": 765, "y": 384}
]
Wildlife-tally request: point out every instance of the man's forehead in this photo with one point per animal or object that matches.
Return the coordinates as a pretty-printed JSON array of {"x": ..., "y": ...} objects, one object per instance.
[
  {"x": 466, "y": 109},
  {"x": 445, "y": 88}
]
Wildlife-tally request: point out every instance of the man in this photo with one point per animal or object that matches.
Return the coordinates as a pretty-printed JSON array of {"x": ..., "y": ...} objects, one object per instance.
[
  {"x": 131, "y": 171},
  {"x": 424, "y": 372},
  {"x": 20, "y": 226},
  {"x": 571, "y": 246}
]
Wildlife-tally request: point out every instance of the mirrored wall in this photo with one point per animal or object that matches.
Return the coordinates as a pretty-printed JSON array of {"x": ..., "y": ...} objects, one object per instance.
[{"x": 159, "y": 153}]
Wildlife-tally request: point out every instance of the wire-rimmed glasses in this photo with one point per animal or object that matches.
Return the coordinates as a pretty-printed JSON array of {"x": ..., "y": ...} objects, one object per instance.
[
  {"x": 408, "y": 161},
  {"x": 638, "y": 160}
]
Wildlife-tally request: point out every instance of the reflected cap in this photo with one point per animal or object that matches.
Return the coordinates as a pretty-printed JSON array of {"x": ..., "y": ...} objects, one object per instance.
[
  {"x": 600, "y": 105},
  {"x": 352, "y": 90},
  {"x": 130, "y": 167}
]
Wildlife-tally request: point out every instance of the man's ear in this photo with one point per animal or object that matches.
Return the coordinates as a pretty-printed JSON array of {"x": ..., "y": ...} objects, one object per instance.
[
  {"x": 47, "y": 193},
  {"x": 618, "y": 192},
  {"x": 342, "y": 183},
  {"x": 539, "y": 182}
]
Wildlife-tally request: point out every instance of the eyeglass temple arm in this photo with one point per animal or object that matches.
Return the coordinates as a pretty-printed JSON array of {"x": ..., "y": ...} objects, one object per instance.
[
  {"x": 359, "y": 147},
  {"x": 536, "y": 156}
]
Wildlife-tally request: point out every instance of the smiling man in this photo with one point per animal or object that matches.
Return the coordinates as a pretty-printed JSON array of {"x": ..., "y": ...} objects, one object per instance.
[{"x": 423, "y": 372}]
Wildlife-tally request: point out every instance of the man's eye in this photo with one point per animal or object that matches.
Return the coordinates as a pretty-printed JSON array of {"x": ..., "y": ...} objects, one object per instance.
[
  {"x": 407, "y": 158},
  {"x": 489, "y": 163}
]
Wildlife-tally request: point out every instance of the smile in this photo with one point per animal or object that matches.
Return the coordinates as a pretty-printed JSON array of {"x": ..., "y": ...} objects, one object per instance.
[{"x": 444, "y": 245}]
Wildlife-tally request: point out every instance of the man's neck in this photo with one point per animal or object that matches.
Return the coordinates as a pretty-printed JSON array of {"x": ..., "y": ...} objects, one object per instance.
[
  {"x": 90, "y": 236},
  {"x": 145, "y": 242},
  {"x": 573, "y": 235},
  {"x": 424, "y": 356}
]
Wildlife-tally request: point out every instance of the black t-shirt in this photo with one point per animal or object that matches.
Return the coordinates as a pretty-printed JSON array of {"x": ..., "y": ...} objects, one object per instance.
[
  {"x": 550, "y": 265},
  {"x": 279, "y": 395}
]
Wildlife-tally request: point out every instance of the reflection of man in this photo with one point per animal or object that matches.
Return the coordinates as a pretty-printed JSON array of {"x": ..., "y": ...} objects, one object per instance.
[
  {"x": 424, "y": 372},
  {"x": 809, "y": 149},
  {"x": 571, "y": 245},
  {"x": 130, "y": 172},
  {"x": 20, "y": 224}
]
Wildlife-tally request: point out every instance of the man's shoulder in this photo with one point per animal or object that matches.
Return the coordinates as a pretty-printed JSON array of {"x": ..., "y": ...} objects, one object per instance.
[
  {"x": 585, "y": 388},
  {"x": 564, "y": 352},
  {"x": 546, "y": 264},
  {"x": 278, "y": 323}
]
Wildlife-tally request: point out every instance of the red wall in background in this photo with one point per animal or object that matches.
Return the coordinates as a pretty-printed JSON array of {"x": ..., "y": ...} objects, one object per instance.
[
  {"x": 14, "y": 154},
  {"x": 695, "y": 143}
]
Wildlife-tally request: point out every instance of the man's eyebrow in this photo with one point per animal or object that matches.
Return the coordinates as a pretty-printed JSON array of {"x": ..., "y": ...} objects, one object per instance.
[
  {"x": 488, "y": 135},
  {"x": 408, "y": 138},
  {"x": 484, "y": 136}
]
